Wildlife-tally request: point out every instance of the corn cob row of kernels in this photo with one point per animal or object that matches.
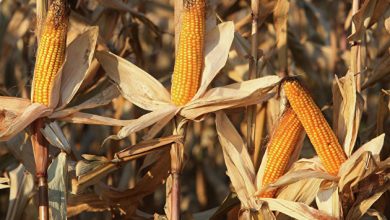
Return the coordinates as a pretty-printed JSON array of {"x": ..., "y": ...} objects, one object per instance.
[
  {"x": 190, "y": 56},
  {"x": 284, "y": 139},
  {"x": 51, "y": 51},
  {"x": 317, "y": 128}
]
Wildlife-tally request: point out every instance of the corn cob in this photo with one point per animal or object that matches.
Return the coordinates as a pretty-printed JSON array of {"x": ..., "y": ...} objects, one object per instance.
[
  {"x": 51, "y": 51},
  {"x": 280, "y": 147},
  {"x": 189, "y": 60},
  {"x": 317, "y": 128}
]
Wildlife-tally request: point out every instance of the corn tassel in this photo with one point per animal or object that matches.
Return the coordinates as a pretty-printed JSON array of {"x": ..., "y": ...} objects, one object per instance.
[
  {"x": 189, "y": 60},
  {"x": 280, "y": 147},
  {"x": 317, "y": 128},
  {"x": 51, "y": 52}
]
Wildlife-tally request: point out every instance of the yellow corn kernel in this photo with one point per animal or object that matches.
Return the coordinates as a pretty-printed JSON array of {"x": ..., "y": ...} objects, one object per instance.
[
  {"x": 51, "y": 51},
  {"x": 317, "y": 128},
  {"x": 280, "y": 147},
  {"x": 189, "y": 60}
]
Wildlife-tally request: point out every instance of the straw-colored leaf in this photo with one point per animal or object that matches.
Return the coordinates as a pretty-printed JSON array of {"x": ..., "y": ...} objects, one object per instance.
[
  {"x": 97, "y": 97},
  {"x": 360, "y": 208},
  {"x": 4, "y": 183},
  {"x": 57, "y": 183},
  {"x": 362, "y": 19},
  {"x": 328, "y": 201},
  {"x": 21, "y": 190},
  {"x": 347, "y": 114},
  {"x": 374, "y": 147},
  {"x": 234, "y": 95},
  {"x": 145, "y": 121},
  {"x": 55, "y": 136},
  {"x": 86, "y": 118},
  {"x": 16, "y": 114},
  {"x": 217, "y": 47},
  {"x": 239, "y": 165},
  {"x": 149, "y": 95},
  {"x": 79, "y": 56},
  {"x": 296, "y": 210}
]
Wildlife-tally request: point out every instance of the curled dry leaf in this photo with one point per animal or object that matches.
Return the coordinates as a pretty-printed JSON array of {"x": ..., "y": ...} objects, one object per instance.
[
  {"x": 126, "y": 200},
  {"x": 93, "y": 168}
]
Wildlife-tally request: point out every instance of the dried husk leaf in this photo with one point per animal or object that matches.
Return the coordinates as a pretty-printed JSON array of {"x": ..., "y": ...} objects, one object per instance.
[
  {"x": 55, "y": 136},
  {"x": 16, "y": 114},
  {"x": 149, "y": 95},
  {"x": 233, "y": 95},
  {"x": 98, "y": 97},
  {"x": 217, "y": 46},
  {"x": 328, "y": 201},
  {"x": 57, "y": 183},
  {"x": 347, "y": 113},
  {"x": 78, "y": 58},
  {"x": 373, "y": 147}
]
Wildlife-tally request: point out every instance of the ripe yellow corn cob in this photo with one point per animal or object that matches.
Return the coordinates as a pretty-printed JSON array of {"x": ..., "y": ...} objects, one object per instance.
[
  {"x": 317, "y": 128},
  {"x": 280, "y": 147},
  {"x": 51, "y": 51},
  {"x": 189, "y": 60}
]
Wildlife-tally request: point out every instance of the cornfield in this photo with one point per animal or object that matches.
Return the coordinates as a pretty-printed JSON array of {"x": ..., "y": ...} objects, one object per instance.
[{"x": 194, "y": 109}]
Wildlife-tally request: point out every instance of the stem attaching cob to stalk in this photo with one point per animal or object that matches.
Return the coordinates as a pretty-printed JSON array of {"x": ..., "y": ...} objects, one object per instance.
[
  {"x": 185, "y": 83},
  {"x": 317, "y": 128},
  {"x": 284, "y": 139},
  {"x": 190, "y": 56}
]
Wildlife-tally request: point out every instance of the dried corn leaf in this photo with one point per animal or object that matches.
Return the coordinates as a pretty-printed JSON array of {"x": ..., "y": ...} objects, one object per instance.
[
  {"x": 363, "y": 19},
  {"x": 238, "y": 162},
  {"x": 328, "y": 201},
  {"x": 21, "y": 191},
  {"x": 86, "y": 118},
  {"x": 57, "y": 183},
  {"x": 4, "y": 183},
  {"x": 295, "y": 210},
  {"x": 280, "y": 22},
  {"x": 145, "y": 121},
  {"x": 149, "y": 95}
]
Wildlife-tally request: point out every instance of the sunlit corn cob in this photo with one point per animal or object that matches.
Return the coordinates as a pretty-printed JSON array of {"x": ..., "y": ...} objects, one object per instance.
[
  {"x": 317, "y": 128},
  {"x": 51, "y": 51},
  {"x": 189, "y": 60},
  {"x": 280, "y": 147}
]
